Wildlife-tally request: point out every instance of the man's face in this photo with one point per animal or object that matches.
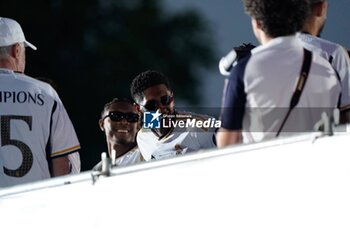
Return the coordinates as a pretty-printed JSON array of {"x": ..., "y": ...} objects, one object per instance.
[
  {"x": 120, "y": 127},
  {"x": 158, "y": 97}
]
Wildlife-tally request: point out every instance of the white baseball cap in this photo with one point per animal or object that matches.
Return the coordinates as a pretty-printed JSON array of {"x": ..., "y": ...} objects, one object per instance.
[{"x": 11, "y": 33}]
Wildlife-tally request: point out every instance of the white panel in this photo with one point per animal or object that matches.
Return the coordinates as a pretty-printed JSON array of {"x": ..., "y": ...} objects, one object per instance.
[{"x": 292, "y": 185}]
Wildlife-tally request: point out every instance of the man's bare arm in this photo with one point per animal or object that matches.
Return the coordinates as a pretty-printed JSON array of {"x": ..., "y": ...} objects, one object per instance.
[
  {"x": 60, "y": 166},
  {"x": 226, "y": 137}
]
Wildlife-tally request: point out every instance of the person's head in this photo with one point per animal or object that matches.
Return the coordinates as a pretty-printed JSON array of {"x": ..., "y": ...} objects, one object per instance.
[
  {"x": 120, "y": 122},
  {"x": 12, "y": 45},
  {"x": 151, "y": 91},
  {"x": 316, "y": 19},
  {"x": 275, "y": 18}
]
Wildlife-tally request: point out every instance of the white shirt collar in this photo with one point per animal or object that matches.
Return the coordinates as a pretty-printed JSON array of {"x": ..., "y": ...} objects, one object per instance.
[{"x": 279, "y": 42}]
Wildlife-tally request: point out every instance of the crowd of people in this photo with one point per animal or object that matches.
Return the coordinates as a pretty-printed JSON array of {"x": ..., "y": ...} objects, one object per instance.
[{"x": 278, "y": 88}]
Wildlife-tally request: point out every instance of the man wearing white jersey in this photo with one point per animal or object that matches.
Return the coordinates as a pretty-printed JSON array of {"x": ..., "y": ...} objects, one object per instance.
[
  {"x": 120, "y": 123},
  {"x": 334, "y": 53},
  {"x": 280, "y": 87},
  {"x": 180, "y": 134},
  {"x": 38, "y": 140}
]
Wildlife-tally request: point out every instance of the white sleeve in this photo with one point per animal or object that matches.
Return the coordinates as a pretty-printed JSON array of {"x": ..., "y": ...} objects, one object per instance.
[
  {"x": 74, "y": 160},
  {"x": 341, "y": 63},
  {"x": 206, "y": 136},
  {"x": 144, "y": 145},
  {"x": 63, "y": 137},
  {"x": 206, "y": 139}
]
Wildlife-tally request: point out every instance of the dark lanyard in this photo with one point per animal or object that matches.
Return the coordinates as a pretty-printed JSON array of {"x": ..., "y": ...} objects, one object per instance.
[{"x": 304, "y": 73}]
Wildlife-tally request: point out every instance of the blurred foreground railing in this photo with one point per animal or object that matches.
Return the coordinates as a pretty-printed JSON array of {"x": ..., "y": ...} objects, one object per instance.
[{"x": 296, "y": 184}]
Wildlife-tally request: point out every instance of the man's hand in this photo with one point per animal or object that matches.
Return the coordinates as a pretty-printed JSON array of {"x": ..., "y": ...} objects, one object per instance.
[{"x": 237, "y": 53}]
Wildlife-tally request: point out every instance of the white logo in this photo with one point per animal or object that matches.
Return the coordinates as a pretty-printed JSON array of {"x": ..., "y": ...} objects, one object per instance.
[{"x": 151, "y": 120}]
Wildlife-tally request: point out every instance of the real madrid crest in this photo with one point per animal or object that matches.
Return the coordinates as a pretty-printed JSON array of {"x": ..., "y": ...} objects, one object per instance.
[{"x": 178, "y": 149}]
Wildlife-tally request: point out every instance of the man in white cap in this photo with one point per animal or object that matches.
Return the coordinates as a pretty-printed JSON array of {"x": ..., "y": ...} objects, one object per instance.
[
  {"x": 38, "y": 140},
  {"x": 334, "y": 53}
]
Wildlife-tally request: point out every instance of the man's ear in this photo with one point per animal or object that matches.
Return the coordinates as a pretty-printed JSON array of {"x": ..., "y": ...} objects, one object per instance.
[
  {"x": 319, "y": 9},
  {"x": 101, "y": 124},
  {"x": 325, "y": 9},
  {"x": 16, "y": 50},
  {"x": 256, "y": 23}
]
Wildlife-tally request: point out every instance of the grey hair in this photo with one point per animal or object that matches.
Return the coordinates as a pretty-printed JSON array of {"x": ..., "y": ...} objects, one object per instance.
[{"x": 5, "y": 51}]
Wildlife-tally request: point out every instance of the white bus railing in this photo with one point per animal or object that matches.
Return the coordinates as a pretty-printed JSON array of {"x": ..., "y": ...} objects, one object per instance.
[{"x": 296, "y": 184}]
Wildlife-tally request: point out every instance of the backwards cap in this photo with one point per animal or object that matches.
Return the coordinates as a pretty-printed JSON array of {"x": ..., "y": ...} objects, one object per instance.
[{"x": 11, "y": 33}]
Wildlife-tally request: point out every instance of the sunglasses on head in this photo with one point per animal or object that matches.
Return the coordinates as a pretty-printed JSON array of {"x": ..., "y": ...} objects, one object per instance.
[
  {"x": 152, "y": 105},
  {"x": 118, "y": 116}
]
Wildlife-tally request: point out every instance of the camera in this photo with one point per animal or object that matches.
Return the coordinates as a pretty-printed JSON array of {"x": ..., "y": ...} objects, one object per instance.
[{"x": 227, "y": 62}]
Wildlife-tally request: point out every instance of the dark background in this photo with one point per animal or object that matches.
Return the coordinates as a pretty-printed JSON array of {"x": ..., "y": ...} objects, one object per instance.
[{"x": 92, "y": 49}]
